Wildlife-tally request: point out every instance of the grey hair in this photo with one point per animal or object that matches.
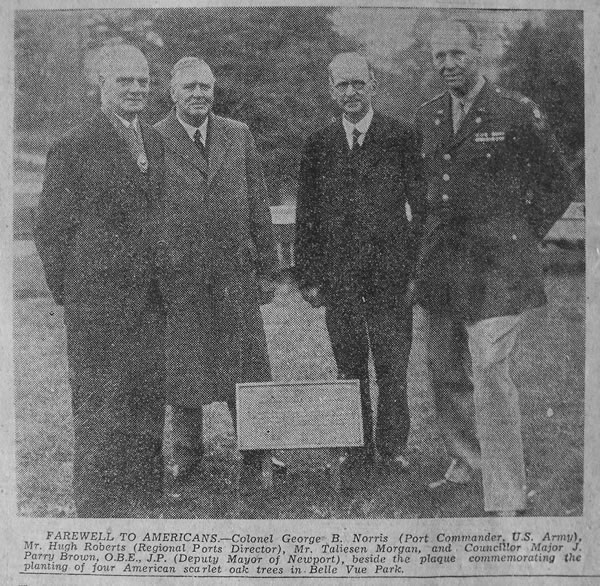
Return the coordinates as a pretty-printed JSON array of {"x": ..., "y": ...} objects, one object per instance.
[{"x": 187, "y": 62}]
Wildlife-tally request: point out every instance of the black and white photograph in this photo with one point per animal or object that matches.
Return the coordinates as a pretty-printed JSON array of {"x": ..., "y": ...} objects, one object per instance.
[
  {"x": 300, "y": 262},
  {"x": 152, "y": 275}
]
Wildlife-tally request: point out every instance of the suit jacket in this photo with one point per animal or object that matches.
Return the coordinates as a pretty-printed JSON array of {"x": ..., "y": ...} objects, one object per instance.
[
  {"x": 97, "y": 233},
  {"x": 351, "y": 215},
  {"x": 219, "y": 238},
  {"x": 493, "y": 190}
]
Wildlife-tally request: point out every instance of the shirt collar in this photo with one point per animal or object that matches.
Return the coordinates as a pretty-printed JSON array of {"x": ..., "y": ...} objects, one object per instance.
[
  {"x": 468, "y": 100},
  {"x": 126, "y": 123},
  {"x": 191, "y": 130},
  {"x": 362, "y": 125}
]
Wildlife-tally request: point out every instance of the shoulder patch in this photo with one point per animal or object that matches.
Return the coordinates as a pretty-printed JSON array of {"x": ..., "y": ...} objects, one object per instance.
[{"x": 530, "y": 108}]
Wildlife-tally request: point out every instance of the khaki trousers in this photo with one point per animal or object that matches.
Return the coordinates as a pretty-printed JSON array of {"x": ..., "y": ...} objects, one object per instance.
[{"x": 477, "y": 402}]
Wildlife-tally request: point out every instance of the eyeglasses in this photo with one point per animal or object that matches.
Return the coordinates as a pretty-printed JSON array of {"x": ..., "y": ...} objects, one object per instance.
[{"x": 357, "y": 84}]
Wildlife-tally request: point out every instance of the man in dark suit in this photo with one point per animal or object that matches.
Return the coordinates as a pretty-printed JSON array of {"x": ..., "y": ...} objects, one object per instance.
[
  {"x": 355, "y": 248},
  {"x": 496, "y": 183},
  {"x": 97, "y": 233},
  {"x": 222, "y": 261}
]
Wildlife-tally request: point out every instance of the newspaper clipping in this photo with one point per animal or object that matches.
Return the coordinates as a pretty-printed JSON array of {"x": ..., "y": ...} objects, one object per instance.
[{"x": 299, "y": 292}]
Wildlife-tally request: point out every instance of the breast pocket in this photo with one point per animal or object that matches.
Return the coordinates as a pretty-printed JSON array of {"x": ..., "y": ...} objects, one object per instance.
[{"x": 486, "y": 155}]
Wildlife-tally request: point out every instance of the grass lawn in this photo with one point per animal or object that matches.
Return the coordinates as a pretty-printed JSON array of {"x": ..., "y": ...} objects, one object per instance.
[{"x": 549, "y": 369}]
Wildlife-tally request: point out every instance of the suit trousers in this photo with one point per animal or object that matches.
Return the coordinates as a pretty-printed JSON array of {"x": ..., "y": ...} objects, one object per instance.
[
  {"x": 477, "y": 402},
  {"x": 118, "y": 417},
  {"x": 188, "y": 430},
  {"x": 382, "y": 319}
]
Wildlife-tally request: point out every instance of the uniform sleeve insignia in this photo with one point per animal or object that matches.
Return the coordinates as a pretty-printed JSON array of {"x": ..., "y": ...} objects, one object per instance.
[{"x": 530, "y": 107}]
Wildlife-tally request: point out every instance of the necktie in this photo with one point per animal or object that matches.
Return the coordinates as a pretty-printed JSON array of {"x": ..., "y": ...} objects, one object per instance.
[
  {"x": 199, "y": 143},
  {"x": 136, "y": 146},
  {"x": 356, "y": 134},
  {"x": 460, "y": 115}
]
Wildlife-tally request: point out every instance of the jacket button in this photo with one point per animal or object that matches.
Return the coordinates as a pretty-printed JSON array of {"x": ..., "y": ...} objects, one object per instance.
[
  {"x": 488, "y": 155},
  {"x": 446, "y": 177},
  {"x": 445, "y": 197},
  {"x": 447, "y": 157}
]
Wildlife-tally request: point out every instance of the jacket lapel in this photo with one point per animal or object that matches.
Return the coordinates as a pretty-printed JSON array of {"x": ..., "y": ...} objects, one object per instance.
[
  {"x": 218, "y": 144},
  {"x": 445, "y": 128},
  {"x": 337, "y": 142},
  {"x": 116, "y": 148},
  {"x": 180, "y": 142},
  {"x": 438, "y": 125},
  {"x": 115, "y": 153},
  {"x": 373, "y": 147},
  {"x": 113, "y": 146}
]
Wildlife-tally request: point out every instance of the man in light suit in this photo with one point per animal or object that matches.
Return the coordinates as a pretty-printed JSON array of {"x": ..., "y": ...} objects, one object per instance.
[
  {"x": 355, "y": 249},
  {"x": 221, "y": 261},
  {"x": 98, "y": 235}
]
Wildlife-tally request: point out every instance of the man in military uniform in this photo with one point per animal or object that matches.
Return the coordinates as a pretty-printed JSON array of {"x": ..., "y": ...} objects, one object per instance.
[{"x": 496, "y": 183}]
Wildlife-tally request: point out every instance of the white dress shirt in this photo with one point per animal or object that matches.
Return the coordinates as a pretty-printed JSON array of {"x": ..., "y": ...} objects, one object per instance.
[
  {"x": 129, "y": 123},
  {"x": 191, "y": 130},
  {"x": 362, "y": 126}
]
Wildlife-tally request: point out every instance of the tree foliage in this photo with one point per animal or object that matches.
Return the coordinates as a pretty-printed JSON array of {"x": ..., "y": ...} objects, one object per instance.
[
  {"x": 271, "y": 70},
  {"x": 545, "y": 63}
]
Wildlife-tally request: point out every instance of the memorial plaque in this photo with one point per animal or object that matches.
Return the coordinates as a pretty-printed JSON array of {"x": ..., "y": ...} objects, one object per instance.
[{"x": 303, "y": 414}]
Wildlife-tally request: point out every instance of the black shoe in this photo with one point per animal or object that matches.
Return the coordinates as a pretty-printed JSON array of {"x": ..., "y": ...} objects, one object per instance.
[{"x": 356, "y": 469}]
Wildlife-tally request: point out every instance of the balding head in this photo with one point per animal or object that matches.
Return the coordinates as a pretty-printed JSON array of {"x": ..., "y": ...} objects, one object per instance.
[
  {"x": 349, "y": 63},
  {"x": 352, "y": 85},
  {"x": 124, "y": 79}
]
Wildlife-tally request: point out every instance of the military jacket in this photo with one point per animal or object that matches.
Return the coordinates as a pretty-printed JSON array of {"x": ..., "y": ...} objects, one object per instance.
[{"x": 494, "y": 188}]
